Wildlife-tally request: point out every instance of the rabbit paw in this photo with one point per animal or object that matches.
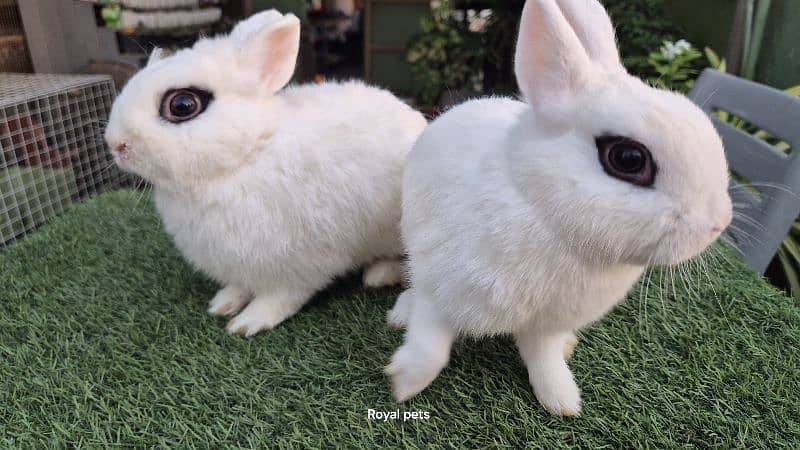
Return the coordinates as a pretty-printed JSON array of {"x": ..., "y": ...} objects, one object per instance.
[
  {"x": 412, "y": 370},
  {"x": 228, "y": 301},
  {"x": 264, "y": 313},
  {"x": 560, "y": 397},
  {"x": 549, "y": 375},
  {"x": 386, "y": 272}
]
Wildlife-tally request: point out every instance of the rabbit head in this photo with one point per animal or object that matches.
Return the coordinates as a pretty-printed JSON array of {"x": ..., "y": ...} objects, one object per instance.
[
  {"x": 201, "y": 112},
  {"x": 622, "y": 171}
]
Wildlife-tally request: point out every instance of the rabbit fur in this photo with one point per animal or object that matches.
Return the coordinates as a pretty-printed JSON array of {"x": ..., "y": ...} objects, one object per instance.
[
  {"x": 512, "y": 223},
  {"x": 272, "y": 192}
]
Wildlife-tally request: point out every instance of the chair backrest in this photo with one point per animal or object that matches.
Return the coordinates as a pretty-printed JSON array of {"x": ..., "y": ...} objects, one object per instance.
[{"x": 769, "y": 205}]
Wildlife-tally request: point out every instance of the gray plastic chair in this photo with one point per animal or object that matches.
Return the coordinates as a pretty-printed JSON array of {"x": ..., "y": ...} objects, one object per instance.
[{"x": 763, "y": 219}]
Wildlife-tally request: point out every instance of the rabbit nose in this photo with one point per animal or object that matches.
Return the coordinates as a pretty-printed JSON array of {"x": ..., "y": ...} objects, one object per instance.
[
  {"x": 721, "y": 213},
  {"x": 121, "y": 148},
  {"x": 723, "y": 224}
]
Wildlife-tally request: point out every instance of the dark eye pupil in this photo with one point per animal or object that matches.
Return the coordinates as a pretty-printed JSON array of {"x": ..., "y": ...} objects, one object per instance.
[
  {"x": 627, "y": 159},
  {"x": 183, "y": 105}
]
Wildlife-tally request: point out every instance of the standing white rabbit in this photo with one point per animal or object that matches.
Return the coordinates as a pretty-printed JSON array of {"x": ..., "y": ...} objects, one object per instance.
[
  {"x": 272, "y": 194},
  {"x": 536, "y": 218}
]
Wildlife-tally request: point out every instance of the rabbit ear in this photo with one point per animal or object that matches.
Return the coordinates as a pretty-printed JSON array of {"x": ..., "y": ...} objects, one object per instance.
[
  {"x": 269, "y": 44},
  {"x": 246, "y": 29},
  {"x": 156, "y": 55},
  {"x": 591, "y": 23},
  {"x": 550, "y": 63}
]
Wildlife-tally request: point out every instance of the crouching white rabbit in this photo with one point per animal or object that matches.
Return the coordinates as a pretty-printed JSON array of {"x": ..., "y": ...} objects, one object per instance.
[
  {"x": 271, "y": 192},
  {"x": 535, "y": 218}
]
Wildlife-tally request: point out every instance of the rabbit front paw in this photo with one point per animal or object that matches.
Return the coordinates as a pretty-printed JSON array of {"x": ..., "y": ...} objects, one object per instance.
[
  {"x": 228, "y": 301},
  {"x": 558, "y": 394},
  {"x": 549, "y": 375},
  {"x": 426, "y": 350},
  {"x": 265, "y": 312},
  {"x": 412, "y": 369}
]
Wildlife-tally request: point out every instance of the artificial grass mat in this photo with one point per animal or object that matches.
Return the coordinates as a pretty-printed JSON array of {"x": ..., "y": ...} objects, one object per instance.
[{"x": 104, "y": 340}]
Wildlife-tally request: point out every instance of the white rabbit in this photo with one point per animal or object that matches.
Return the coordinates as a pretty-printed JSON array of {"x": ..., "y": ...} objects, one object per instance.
[
  {"x": 536, "y": 218},
  {"x": 272, "y": 194}
]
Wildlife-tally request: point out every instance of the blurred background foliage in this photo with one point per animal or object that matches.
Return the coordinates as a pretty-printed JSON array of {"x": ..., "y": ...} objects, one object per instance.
[{"x": 459, "y": 39}]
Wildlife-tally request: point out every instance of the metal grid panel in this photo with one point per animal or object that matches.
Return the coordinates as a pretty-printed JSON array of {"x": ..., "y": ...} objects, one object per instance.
[{"x": 52, "y": 153}]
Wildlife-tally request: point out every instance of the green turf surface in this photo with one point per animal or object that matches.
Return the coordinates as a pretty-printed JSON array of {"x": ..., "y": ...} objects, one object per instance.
[{"x": 104, "y": 340}]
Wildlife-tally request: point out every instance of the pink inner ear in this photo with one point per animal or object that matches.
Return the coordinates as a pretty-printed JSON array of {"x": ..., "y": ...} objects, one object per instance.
[
  {"x": 550, "y": 60},
  {"x": 279, "y": 56},
  {"x": 550, "y": 67}
]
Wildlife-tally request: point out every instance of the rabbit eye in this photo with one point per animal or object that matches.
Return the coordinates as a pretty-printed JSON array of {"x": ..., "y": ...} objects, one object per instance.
[
  {"x": 180, "y": 105},
  {"x": 627, "y": 160}
]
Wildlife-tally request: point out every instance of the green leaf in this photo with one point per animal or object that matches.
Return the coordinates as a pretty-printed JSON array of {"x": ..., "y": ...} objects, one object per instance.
[
  {"x": 795, "y": 90},
  {"x": 712, "y": 57}
]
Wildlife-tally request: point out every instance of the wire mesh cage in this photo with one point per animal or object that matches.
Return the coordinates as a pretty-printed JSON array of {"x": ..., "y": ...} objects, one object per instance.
[
  {"x": 13, "y": 47},
  {"x": 52, "y": 153}
]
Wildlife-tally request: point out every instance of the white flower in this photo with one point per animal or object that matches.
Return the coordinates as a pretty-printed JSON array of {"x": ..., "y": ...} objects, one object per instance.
[
  {"x": 478, "y": 20},
  {"x": 671, "y": 50}
]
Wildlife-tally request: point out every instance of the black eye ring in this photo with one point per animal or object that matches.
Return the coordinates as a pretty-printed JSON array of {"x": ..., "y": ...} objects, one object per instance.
[
  {"x": 180, "y": 105},
  {"x": 627, "y": 160}
]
